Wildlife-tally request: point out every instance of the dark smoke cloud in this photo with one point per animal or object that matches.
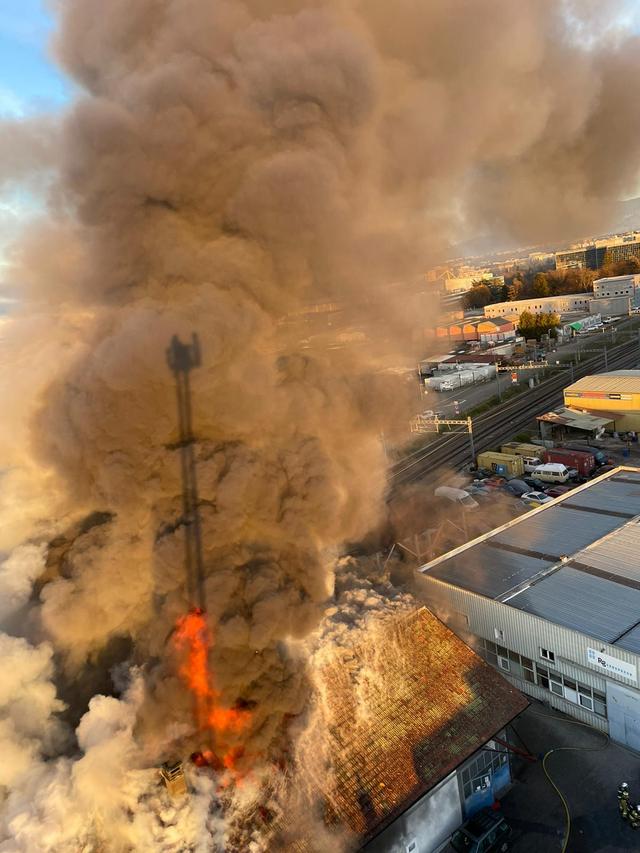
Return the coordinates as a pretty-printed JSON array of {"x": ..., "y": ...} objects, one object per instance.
[{"x": 225, "y": 166}]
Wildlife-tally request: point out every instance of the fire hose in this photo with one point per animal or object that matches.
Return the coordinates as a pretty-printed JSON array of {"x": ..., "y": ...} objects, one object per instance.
[{"x": 563, "y": 800}]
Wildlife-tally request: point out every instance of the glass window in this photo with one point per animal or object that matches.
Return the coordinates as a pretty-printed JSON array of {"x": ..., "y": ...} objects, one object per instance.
[
  {"x": 570, "y": 684},
  {"x": 529, "y": 676},
  {"x": 599, "y": 705},
  {"x": 542, "y": 670},
  {"x": 556, "y": 687},
  {"x": 526, "y": 662},
  {"x": 502, "y": 651},
  {"x": 514, "y": 656},
  {"x": 586, "y": 701},
  {"x": 490, "y": 646},
  {"x": 544, "y": 681},
  {"x": 504, "y": 664},
  {"x": 492, "y": 658}
]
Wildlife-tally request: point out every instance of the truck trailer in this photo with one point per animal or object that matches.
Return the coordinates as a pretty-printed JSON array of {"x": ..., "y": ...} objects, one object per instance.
[{"x": 583, "y": 461}]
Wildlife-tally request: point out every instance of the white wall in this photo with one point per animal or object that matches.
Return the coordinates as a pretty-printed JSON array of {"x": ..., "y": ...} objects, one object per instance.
[{"x": 429, "y": 822}]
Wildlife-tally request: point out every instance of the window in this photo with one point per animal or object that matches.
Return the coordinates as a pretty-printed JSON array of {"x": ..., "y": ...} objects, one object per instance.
[
  {"x": 547, "y": 655},
  {"x": 503, "y": 663},
  {"x": 498, "y": 633},
  {"x": 412, "y": 846}
]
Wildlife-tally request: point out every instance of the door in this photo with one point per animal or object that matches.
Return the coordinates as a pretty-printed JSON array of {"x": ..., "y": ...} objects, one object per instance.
[{"x": 623, "y": 710}]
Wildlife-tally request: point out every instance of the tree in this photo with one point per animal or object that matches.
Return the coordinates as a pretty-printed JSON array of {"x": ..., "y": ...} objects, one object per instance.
[
  {"x": 477, "y": 297},
  {"x": 515, "y": 289},
  {"x": 534, "y": 325},
  {"x": 540, "y": 285}
]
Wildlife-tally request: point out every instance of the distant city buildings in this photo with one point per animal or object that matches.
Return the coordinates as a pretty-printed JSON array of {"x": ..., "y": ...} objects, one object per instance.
[{"x": 593, "y": 255}]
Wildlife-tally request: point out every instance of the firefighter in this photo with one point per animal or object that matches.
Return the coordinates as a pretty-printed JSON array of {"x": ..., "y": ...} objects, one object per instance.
[
  {"x": 634, "y": 817},
  {"x": 623, "y": 800}
]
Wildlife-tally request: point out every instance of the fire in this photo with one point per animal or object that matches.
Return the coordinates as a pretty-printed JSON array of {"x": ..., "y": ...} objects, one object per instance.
[{"x": 192, "y": 637}]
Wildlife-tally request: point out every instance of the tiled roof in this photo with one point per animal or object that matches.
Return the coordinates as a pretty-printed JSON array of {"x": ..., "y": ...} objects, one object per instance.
[{"x": 402, "y": 712}]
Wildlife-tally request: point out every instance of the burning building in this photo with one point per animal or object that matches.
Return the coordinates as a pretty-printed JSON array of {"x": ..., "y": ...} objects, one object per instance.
[
  {"x": 223, "y": 166},
  {"x": 412, "y": 731}
]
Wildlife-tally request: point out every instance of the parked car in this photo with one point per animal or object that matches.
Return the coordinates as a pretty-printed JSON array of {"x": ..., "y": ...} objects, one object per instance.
[
  {"x": 485, "y": 832},
  {"x": 516, "y": 487},
  {"x": 494, "y": 482},
  {"x": 535, "y": 484},
  {"x": 457, "y": 496},
  {"x": 554, "y": 472},
  {"x": 535, "y": 498},
  {"x": 556, "y": 491}
]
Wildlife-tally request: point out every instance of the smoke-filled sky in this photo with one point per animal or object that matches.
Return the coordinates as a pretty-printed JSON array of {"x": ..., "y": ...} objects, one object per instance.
[{"x": 222, "y": 168}]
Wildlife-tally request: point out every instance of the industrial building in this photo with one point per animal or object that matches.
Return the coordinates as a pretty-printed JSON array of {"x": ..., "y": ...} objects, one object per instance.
[
  {"x": 564, "y": 423},
  {"x": 486, "y": 331},
  {"x": 618, "y": 285},
  {"x": 614, "y": 396},
  {"x": 415, "y": 732},
  {"x": 563, "y": 304},
  {"x": 552, "y": 600}
]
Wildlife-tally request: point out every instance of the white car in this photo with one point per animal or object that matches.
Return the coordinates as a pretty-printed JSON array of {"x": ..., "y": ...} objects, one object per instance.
[{"x": 535, "y": 498}]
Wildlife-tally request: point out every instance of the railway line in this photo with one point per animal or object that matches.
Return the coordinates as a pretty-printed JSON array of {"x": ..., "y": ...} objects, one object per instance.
[{"x": 452, "y": 451}]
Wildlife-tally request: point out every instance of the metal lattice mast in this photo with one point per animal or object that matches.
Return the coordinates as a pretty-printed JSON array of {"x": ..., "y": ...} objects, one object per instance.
[{"x": 182, "y": 358}]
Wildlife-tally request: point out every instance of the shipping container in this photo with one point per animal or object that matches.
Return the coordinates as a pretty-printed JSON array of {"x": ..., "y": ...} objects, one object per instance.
[
  {"x": 582, "y": 461},
  {"x": 516, "y": 448},
  {"x": 501, "y": 463},
  {"x": 531, "y": 455},
  {"x": 599, "y": 455}
]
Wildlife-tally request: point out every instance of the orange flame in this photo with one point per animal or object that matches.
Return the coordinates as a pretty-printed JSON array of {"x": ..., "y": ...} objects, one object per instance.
[{"x": 192, "y": 635}]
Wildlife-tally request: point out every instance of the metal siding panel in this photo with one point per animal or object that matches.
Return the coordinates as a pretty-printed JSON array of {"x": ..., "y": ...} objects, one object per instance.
[{"x": 523, "y": 632}]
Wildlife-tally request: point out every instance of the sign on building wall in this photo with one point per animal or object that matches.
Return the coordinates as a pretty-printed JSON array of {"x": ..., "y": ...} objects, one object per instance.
[{"x": 615, "y": 666}]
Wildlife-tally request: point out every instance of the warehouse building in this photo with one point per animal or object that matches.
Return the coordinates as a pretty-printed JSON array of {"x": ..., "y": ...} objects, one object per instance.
[
  {"x": 614, "y": 395},
  {"x": 552, "y": 600},
  {"x": 414, "y": 730},
  {"x": 486, "y": 331},
  {"x": 564, "y": 304},
  {"x": 618, "y": 285}
]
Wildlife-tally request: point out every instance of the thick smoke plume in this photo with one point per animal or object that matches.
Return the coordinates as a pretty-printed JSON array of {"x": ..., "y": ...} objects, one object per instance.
[{"x": 227, "y": 167}]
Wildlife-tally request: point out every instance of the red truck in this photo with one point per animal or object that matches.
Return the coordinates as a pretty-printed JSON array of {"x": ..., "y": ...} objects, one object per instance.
[{"x": 582, "y": 461}]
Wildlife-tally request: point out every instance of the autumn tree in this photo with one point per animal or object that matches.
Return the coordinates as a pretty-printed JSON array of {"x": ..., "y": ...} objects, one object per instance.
[
  {"x": 479, "y": 296},
  {"x": 540, "y": 285}
]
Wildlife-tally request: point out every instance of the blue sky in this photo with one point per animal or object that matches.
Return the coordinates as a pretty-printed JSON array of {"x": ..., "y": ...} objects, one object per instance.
[{"x": 29, "y": 80}]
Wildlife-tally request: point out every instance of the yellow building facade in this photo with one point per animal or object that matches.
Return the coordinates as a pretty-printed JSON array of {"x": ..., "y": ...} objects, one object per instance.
[{"x": 615, "y": 395}]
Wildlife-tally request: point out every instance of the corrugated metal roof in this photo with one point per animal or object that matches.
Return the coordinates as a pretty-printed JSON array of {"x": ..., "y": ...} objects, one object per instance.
[
  {"x": 611, "y": 382},
  {"x": 610, "y": 495},
  {"x": 630, "y": 641},
  {"x": 588, "y": 604},
  {"x": 616, "y": 555},
  {"x": 488, "y": 571},
  {"x": 561, "y": 532},
  {"x": 597, "y": 592},
  {"x": 577, "y": 420}
]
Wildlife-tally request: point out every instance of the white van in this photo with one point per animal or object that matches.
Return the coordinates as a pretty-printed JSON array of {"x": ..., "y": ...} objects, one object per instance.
[
  {"x": 458, "y": 496},
  {"x": 531, "y": 463},
  {"x": 552, "y": 472}
]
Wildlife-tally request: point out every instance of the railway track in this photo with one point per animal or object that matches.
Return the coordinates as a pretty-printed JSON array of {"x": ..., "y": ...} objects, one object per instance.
[{"x": 452, "y": 450}]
